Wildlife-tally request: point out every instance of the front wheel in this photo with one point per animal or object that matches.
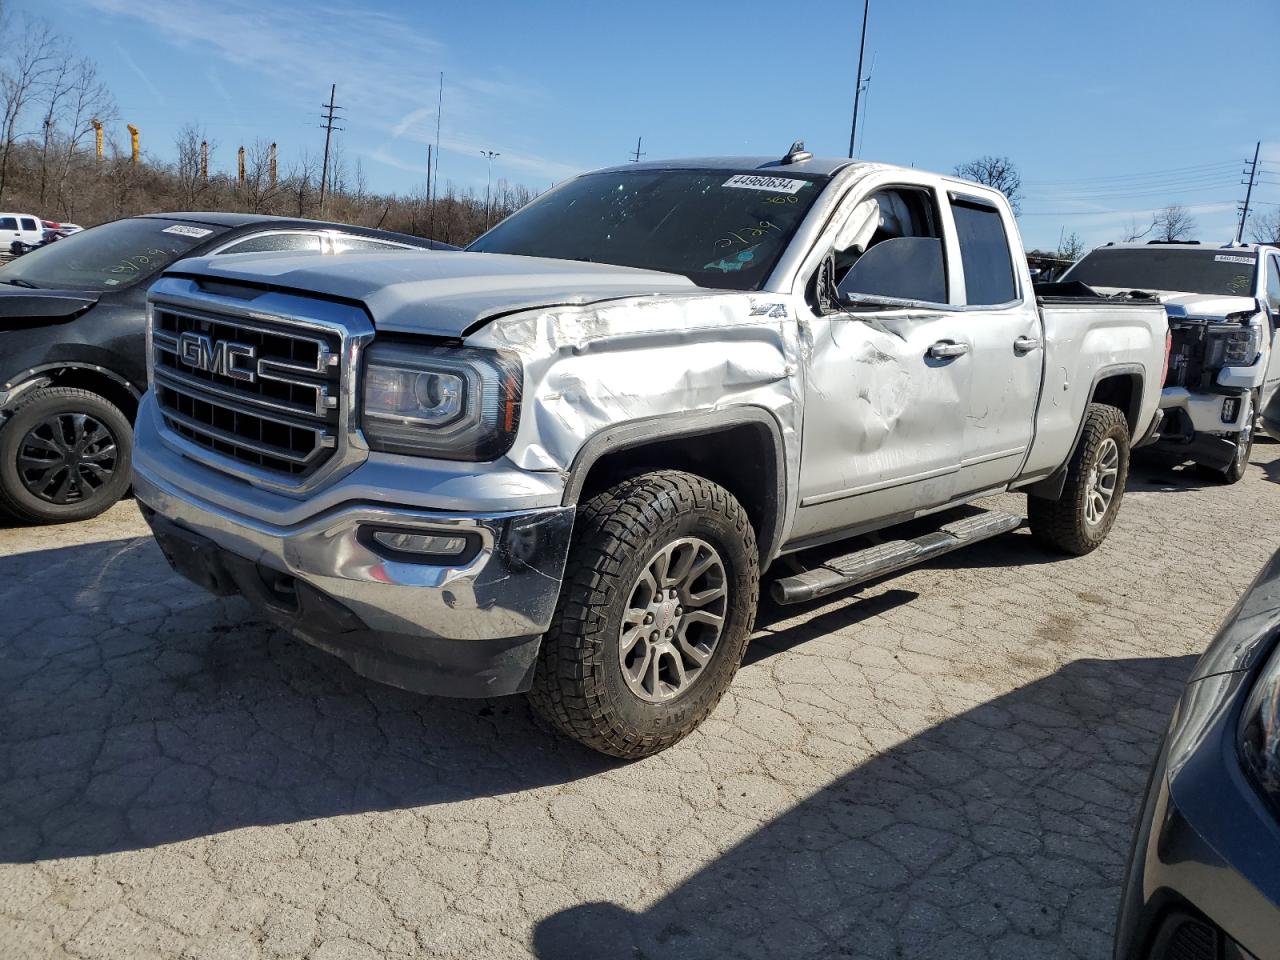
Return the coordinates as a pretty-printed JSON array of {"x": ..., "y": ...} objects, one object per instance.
[
  {"x": 64, "y": 455},
  {"x": 1079, "y": 520},
  {"x": 658, "y": 599}
]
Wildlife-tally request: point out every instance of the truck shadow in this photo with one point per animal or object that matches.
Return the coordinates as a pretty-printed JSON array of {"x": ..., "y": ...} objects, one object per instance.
[{"x": 1002, "y": 831}]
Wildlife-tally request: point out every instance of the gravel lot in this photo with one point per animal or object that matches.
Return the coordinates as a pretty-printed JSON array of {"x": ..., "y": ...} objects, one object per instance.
[{"x": 945, "y": 765}]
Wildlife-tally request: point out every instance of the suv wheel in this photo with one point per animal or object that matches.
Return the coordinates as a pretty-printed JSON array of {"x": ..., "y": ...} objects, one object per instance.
[
  {"x": 658, "y": 599},
  {"x": 1244, "y": 447},
  {"x": 64, "y": 455},
  {"x": 1079, "y": 520}
]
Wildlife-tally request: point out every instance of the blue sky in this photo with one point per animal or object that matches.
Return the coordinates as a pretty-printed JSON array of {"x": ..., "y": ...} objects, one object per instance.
[{"x": 1110, "y": 108}]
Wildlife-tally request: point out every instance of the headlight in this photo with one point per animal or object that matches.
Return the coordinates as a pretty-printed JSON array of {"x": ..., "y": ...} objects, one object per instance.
[
  {"x": 450, "y": 402},
  {"x": 1241, "y": 346},
  {"x": 1260, "y": 730}
]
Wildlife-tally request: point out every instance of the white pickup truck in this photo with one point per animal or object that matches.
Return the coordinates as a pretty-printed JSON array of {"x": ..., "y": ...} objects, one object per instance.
[
  {"x": 1224, "y": 324},
  {"x": 560, "y": 462}
]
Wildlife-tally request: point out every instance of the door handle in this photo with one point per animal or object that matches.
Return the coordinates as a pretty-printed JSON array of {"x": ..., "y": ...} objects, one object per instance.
[
  {"x": 945, "y": 349},
  {"x": 1024, "y": 345}
]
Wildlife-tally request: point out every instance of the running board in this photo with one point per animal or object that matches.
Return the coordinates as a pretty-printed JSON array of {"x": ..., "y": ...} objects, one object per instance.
[{"x": 840, "y": 573}]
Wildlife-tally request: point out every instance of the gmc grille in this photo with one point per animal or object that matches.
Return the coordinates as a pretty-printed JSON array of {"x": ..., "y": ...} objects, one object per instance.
[{"x": 263, "y": 393}]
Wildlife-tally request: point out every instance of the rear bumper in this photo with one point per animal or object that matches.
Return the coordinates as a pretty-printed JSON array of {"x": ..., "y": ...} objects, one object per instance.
[{"x": 463, "y": 629}]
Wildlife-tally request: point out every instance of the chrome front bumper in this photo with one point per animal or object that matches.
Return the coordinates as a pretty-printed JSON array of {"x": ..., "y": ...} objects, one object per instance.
[{"x": 467, "y": 630}]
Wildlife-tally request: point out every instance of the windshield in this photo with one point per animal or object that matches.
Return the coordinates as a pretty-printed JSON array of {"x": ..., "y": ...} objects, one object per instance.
[
  {"x": 719, "y": 228},
  {"x": 1225, "y": 273},
  {"x": 109, "y": 257}
]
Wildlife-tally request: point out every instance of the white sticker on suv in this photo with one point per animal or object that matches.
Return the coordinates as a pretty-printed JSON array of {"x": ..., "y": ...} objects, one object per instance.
[
  {"x": 748, "y": 181},
  {"x": 1223, "y": 258}
]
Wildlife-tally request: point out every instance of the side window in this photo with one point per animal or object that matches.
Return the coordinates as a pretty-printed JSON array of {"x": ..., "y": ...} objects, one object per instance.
[
  {"x": 891, "y": 246},
  {"x": 8, "y": 223},
  {"x": 984, "y": 251},
  {"x": 277, "y": 243},
  {"x": 1273, "y": 281},
  {"x": 29, "y": 223},
  {"x": 343, "y": 243}
]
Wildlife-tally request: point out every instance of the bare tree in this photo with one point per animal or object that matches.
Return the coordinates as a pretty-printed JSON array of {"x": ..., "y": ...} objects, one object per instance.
[
  {"x": 1135, "y": 231},
  {"x": 303, "y": 178},
  {"x": 30, "y": 57},
  {"x": 259, "y": 189},
  {"x": 88, "y": 100},
  {"x": 1174, "y": 222},
  {"x": 1265, "y": 227},
  {"x": 192, "y": 184},
  {"x": 998, "y": 172}
]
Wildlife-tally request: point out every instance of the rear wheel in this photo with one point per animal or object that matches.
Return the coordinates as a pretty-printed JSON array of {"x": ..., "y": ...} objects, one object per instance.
[
  {"x": 1079, "y": 520},
  {"x": 1243, "y": 440},
  {"x": 658, "y": 598},
  {"x": 65, "y": 455}
]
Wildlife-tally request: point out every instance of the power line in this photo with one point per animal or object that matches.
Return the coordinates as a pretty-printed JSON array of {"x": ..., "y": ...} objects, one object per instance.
[{"x": 1147, "y": 174}]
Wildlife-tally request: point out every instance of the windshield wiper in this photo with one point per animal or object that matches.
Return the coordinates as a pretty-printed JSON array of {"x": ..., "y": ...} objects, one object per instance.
[{"x": 19, "y": 282}]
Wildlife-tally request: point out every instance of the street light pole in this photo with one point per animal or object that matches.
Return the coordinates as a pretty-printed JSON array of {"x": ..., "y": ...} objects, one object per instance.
[
  {"x": 857, "y": 89},
  {"x": 489, "y": 155}
]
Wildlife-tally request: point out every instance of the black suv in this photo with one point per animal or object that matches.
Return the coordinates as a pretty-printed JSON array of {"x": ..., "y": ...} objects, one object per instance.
[{"x": 73, "y": 351}]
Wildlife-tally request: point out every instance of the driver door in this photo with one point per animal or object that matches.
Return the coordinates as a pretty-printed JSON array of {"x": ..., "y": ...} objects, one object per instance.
[{"x": 887, "y": 386}]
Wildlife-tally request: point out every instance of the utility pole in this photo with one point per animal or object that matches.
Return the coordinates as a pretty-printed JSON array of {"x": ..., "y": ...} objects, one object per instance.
[
  {"x": 428, "y": 172},
  {"x": 638, "y": 154},
  {"x": 435, "y": 177},
  {"x": 331, "y": 109},
  {"x": 489, "y": 155},
  {"x": 1248, "y": 194},
  {"x": 857, "y": 90}
]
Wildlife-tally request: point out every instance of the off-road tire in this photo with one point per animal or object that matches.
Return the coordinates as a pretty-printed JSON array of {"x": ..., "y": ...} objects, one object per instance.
[
  {"x": 19, "y": 503},
  {"x": 1236, "y": 471},
  {"x": 1062, "y": 524},
  {"x": 578, "y": 685}
]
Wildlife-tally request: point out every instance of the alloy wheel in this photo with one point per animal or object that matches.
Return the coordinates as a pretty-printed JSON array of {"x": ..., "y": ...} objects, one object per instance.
[{"x": 673, "y": 620}]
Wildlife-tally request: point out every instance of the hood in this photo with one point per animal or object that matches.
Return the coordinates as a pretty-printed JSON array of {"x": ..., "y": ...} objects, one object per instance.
[
  {"x": 21, "y": 307},
  {"x": 446, "y": 295},
  {"x": 1195, "y": 304}
]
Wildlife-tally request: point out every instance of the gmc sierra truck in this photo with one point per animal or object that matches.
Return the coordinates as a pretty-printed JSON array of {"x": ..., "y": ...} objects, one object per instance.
[
  {"x": 1224, "y": 366},
  {"x": 560, "y": 461}
]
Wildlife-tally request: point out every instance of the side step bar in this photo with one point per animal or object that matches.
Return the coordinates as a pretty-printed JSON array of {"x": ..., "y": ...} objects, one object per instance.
[{"x": 840, "y": 573}]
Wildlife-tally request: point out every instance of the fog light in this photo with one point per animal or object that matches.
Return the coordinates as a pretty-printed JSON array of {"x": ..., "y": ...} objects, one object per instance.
[
  {"x": 419, "y": 546},
  {"x": 1230, "y": 407}
]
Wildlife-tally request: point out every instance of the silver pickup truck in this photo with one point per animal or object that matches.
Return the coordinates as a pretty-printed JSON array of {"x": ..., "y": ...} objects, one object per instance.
[{"x": 561, "y": 461}]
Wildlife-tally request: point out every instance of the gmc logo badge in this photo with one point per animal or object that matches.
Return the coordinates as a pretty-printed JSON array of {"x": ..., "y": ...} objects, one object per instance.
[{"x": 223, "y": 357}]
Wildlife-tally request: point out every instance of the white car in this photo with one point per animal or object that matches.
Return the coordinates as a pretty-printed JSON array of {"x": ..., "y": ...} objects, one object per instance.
[
  {"x": 1223, "y": 304},
  {"x": 23, "y": 227}
]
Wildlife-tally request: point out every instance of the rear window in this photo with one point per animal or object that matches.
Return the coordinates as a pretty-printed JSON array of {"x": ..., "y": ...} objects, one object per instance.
[
  {"x": 112, "y": 256},
  {"x": 1223, "y": 273},
  {"x": 984, "y": 250}
]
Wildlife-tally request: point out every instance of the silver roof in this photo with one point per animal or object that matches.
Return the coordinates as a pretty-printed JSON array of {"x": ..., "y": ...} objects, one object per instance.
[{"x": 823, "y": 166}]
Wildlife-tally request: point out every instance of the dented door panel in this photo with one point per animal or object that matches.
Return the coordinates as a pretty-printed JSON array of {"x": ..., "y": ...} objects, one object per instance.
[{"x": 883, "y": 420}]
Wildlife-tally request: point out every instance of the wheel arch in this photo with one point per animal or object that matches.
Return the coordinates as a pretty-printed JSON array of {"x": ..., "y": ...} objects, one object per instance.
[
  {"x": 85, "y": 376},
  {"x": 1118, "y": 385},
  {"x": 740, "y": 448}
]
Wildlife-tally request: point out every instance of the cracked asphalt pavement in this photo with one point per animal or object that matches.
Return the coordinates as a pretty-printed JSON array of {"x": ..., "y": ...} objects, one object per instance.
[{"x": 944, "y": 765}]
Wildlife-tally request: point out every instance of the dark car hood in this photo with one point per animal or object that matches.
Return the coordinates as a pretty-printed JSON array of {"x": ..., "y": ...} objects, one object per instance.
[
  {"x": 441, "y": 295},
  {"x": 21, "y": 307}
]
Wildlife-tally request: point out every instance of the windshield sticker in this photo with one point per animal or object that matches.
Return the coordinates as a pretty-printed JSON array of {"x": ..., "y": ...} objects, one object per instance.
[
  {"x": 184, "y": 231},
  {"x": 1223, "y": 258},
  {"x": 747, "y": 181}
]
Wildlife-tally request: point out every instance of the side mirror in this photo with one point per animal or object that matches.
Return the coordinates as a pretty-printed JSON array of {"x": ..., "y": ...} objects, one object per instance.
[{"x": 904, "y": 268}]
